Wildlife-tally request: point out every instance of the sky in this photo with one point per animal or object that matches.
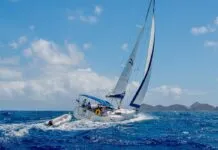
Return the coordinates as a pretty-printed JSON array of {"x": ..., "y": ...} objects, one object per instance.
[{"x": 52, "y": 51}]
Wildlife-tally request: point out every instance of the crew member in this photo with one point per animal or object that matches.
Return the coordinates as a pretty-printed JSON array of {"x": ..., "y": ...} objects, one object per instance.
[
  {"x": 89, "y": 105},
  {"x": 84, "y": 103}
]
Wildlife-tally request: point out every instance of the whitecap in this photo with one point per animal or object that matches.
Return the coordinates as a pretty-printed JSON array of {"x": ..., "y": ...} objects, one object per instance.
[{"x": 20, "y": 130}]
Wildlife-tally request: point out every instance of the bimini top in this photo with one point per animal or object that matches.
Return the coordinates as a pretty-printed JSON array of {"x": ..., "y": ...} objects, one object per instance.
[{"x": 100, "y": 101}]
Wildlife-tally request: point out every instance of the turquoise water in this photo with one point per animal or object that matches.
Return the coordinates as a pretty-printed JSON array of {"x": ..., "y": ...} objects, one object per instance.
[{"x": 168, "y": 130}]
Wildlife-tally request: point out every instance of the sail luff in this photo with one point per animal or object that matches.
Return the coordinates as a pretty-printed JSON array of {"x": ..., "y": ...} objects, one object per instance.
[{"x": 141, "y": 91}]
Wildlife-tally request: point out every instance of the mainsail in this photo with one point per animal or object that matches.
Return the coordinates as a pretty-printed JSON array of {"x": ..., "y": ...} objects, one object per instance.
[
  {"x": 140, "y": 93},
  {"x": 120, "y": 88}
]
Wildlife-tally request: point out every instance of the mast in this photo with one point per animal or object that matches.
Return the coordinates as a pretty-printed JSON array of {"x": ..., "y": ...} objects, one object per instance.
[
  {"x": 141, "y": 91},
  {"x": 119, "y": 91}
]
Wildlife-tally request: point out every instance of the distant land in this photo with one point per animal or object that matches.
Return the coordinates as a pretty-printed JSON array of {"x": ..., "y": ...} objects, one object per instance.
[{"x": 177, "y": 107}]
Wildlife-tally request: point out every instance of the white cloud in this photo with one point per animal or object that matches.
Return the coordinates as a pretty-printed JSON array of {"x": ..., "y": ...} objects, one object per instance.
[
  {"x": 22, "y": 40},
  {"x": 61, "y": 83},
  {"x": 88, "y": 19},
  {"x": 55, "y": 83},
  {"x": 27, "y": 52},
  {"x": 172, "y": 91},
  {"x": 139, "y": 26},
  {"x": 91, "y": 18},
  {"x": 98, "y": 10},
  {"x": 71, "y": 17},
  {"x": 213, "y": 44},
  {"x": 11, "y": 89},
  {"x": 51, "y": 53},
  {"x": 75, "y": 54},
  {"x": 124, "y": 46},
  {"x": 13, "y": 45},
  {"x": 202, "y": 30},
  {"x": 19, "y": 42},
  {"x": 6, "y": 74},
  {"x": 87, "y": 45},
  {"x": 216, "y": 21},
  {"x": 10, "y": 61},
  {"x": 32, "y": 27}
]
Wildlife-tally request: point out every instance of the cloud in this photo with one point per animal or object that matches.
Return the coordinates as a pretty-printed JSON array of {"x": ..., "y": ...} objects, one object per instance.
[
  {"x": 58, "y": 82},
  {"x": 139, "y": 26},
  {"x": 88, "y": 19},
  {"x": 57, "y": 79},
  {"x": 22, "y": 40},
  {"x": 124, "y": 46},
  {"x": 216, "y": 21},
  {"x": 19, "y": 42},
  {"x": 71, "y": 17},
  {"x": 11, "y": 89},
  {"x": 202, "y": 30},
  {"x": 166, "y": 90},
  {"x": 6, "y": 74},
  {"x": 27, "y": 52},
  {"x": 50, "y": 52},
  {"x": 10, "y": 61},
  {"x": 87, "y": 45},
  {"x": 174, "y": 92},
  {"x": 98, "y": 10},
  {"x": 91, "y": 18},
  {"x": 75, "y": 54},
  {"x": 212, "y": 44},
  {"x": 13, "y": 45},
  {"x": 32, "y": 27}
]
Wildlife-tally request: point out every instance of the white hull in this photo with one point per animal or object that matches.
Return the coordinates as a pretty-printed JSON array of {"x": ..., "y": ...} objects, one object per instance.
[
  {"x": 111, "y": 116},
  {"x": 59, "y": 120}
]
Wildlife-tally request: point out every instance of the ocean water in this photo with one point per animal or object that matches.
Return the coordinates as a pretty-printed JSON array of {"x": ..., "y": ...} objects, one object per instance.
[{"x": 168, "y": 130}]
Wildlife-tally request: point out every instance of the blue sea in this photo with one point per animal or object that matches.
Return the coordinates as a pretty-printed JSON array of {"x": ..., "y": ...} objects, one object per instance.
[{"x": 159, "y": 130}]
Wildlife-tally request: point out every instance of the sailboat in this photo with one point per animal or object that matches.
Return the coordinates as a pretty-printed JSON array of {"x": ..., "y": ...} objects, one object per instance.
[{"x": 96, "y": 109}]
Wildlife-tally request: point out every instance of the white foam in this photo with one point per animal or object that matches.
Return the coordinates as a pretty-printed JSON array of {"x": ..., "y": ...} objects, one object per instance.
[
  {"x": 88, "y": 125},
  {"x": 20, "y": 130}
]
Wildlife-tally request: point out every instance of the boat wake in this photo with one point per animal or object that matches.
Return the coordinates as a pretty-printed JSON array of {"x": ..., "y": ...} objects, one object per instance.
[{"x": 22, "y": 129}]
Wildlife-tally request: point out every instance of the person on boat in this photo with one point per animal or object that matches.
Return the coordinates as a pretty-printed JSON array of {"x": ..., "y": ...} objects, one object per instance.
[
  {"x": 50, "y": 123},
  {"x": 103, "y": 111},
  {"x": 89, "y": 106},
  {"x": 98, "y": 110},
  {"x": 84, "y": 103}
]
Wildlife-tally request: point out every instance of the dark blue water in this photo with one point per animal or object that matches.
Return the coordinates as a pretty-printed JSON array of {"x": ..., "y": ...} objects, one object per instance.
[{"x": 172, "y": 130}]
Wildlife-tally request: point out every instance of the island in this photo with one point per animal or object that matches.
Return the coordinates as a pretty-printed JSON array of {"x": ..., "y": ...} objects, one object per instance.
[{"x": 196, "y": 107}]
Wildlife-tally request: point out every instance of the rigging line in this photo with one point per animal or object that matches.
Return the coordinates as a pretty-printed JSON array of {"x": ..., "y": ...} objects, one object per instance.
[
  {"x": 147, "y": 13},
  {"x": 146, "y": 17},
  {"x": 143, "y": 28},
  {"x": 136, "y": 69},
  {"x": 147, "y": 70}
]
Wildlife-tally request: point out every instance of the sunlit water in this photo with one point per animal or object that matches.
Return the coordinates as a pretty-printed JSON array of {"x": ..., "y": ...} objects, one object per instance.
[{"x": 172, "y": 130}]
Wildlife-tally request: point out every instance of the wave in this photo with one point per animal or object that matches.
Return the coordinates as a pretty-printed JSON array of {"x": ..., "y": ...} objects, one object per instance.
[{"x": 22, "y": 129}]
